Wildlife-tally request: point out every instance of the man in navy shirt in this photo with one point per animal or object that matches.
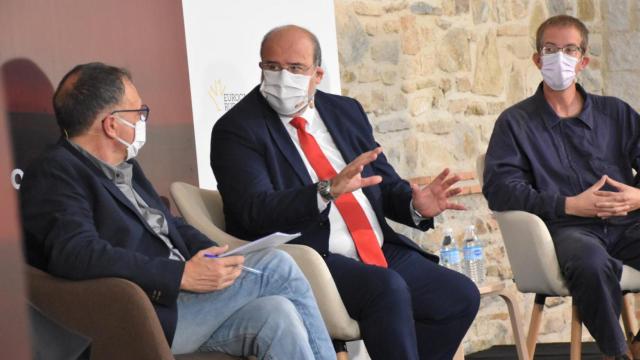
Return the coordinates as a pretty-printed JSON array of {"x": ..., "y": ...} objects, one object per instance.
[{"x": 568, "y": 156}]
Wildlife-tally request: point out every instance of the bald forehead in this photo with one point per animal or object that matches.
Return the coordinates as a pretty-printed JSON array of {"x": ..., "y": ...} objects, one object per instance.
[{"x": 289, "y": 35}]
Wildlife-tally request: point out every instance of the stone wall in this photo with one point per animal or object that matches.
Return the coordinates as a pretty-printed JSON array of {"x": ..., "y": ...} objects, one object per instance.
[
  {"x": 622, "y": 49},
  {"x": 434, "y": 75}
]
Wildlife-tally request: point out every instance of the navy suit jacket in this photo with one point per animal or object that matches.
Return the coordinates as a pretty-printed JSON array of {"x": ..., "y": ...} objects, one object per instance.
[
  {"x": 266, "y": 188},
  {"x": 78, "y": 225}
]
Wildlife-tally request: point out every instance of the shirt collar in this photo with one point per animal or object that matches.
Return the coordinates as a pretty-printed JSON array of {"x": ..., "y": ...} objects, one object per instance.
[
  {"x": 551, "y": 118},
  {"x": 309, "y": 114},
  {"x": 120, "y": 173}
]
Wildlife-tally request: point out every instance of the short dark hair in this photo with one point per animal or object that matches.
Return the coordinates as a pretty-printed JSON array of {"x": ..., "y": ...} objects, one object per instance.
[
  {"x": 563, "y": 21},
  {"x": 317, "y": 52},
  {"x": 84, "y": 92}
]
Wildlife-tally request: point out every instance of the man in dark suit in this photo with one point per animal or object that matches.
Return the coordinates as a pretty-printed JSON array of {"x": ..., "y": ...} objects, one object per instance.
[
  {"x": 290, "y": 158},
  {"x": 90, "y": 212}
]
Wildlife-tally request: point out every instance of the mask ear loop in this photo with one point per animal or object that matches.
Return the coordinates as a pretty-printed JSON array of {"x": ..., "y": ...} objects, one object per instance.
[{"x": 66, "y": 134}]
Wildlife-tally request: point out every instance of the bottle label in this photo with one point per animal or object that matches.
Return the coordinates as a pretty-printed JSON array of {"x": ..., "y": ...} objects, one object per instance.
[
  {"x": 472, "y": 253},
  {"x": 450, "y": 256}
]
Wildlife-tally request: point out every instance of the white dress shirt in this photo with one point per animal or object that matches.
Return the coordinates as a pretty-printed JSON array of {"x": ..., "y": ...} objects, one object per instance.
[{"x": 340, "y": 241}]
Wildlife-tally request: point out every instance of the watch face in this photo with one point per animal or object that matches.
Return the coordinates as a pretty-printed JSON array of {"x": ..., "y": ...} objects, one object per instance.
[{"x": 324, "y": 189}]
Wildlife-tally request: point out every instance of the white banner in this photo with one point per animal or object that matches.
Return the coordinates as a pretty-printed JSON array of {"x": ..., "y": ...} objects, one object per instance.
[{"x": 223, "y": 50}]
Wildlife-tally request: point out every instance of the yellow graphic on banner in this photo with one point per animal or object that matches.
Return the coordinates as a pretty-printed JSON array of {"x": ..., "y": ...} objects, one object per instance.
[
  {"x": 215, "y": 91},
  {"x": 222, "y": 100}
]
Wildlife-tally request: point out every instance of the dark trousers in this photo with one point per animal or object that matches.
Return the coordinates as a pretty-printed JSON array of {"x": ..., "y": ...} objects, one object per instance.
[
  {"x": 591, "y": 259},
  {"x": 415, "y": 309}
]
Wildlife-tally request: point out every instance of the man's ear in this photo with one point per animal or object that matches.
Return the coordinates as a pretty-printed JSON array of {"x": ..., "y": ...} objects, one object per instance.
[
  {"x": 109, "y": 126},
  {"x": 537, "y": 60},
  {"x": 583, "y": 63},
  {"x": 319, "y": 74}
]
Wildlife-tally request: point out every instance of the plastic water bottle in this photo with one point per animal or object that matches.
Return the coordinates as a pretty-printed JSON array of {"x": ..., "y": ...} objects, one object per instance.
[
  {"x": 449, "y": 252},
  {"x": 473, "y": 256}
]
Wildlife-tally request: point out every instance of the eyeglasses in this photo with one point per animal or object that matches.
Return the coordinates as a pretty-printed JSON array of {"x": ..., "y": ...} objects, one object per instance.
[
  {"x": 143, "y": 112},
  {"x": 571, "y": 50},
  {"x": 292, "y": 68}
]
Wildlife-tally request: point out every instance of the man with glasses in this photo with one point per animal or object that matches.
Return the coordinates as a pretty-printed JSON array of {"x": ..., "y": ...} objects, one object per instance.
[
  {"x": 568, "y": 156},
  {"x": 89, "y": 212},
  {"x": 291, "y": 158}
]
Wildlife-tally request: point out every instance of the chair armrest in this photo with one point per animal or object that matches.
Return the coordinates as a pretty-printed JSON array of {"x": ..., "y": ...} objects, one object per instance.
[
  {"x": 115, "y": 313},
  {"x": 334, "y": 314},
  {"x": 531, "y": 253}
]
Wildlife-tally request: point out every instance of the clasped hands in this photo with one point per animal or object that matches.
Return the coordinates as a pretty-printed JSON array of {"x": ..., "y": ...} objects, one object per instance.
[
  {"x": 595, "y": 202},
  {"x": 429, "y": 200}
]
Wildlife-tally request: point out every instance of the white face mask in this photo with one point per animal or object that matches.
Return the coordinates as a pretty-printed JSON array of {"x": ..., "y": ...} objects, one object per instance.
[
  {"x": 287, "y": 93},
  {"x": 139, "y": 137},
  {"x": 559, "y": 70}
]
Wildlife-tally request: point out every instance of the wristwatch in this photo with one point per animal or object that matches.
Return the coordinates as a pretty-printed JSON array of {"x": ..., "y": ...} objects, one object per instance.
[{"x": 324, "y": 189}]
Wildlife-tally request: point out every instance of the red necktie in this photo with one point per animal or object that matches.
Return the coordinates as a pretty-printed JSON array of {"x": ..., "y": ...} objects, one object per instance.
[{"x": 361, "y": 232}]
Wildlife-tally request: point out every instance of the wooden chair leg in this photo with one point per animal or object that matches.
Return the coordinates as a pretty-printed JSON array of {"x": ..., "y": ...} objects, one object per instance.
[
  {"x": 516, "y": 322},
  {"x": 576, "y": 334},
  {"x": 627, "y": 317},
  {"x": 341, "y": 350},
  {"x": 534, "y": 324}
]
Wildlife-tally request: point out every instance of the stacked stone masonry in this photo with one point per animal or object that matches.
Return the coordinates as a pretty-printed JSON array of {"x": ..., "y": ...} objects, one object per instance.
[{"x": 434, "y": 75}]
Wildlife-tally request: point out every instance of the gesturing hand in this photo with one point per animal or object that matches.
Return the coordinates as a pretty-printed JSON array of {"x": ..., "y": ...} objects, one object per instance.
[
  {"x": 433, "y": 199},
  {"x": 350, "y": 178},
  {"x": 617, "y": 203},
  {"x": 203, "y": 274}
]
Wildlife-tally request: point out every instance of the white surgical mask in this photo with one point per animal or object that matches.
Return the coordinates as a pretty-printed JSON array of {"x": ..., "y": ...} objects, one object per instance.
[
  {"x": 287, "y": 93},
  {"x": 559, "y": 70},
  {"x": 139, "y": 137}
]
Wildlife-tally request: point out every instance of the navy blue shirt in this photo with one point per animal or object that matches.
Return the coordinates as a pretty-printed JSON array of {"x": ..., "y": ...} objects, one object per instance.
[{"x": 536, "y": 159}]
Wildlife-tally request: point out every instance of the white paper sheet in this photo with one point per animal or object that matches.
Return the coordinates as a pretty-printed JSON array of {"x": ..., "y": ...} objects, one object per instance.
[{"x": 268, "y": 241}]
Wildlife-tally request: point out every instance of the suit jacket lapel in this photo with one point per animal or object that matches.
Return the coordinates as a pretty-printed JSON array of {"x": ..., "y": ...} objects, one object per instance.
[
  {"x": 109, "y": 185},
  {"x": 283, "y": 140},
  {"x": 335, "y": 125}
]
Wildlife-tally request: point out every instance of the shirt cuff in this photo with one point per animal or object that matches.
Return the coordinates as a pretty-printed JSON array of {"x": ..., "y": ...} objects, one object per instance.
[
  {"x": 322, "y": 203},
  {"x": 415, "y": 215}
]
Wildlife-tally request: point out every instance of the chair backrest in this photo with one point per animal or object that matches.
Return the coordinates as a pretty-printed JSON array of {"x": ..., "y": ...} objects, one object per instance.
[
  {"x": 203, "y": 209},
  {"x": 529, "y": 248},
  {"x": 115, "y": 313}
]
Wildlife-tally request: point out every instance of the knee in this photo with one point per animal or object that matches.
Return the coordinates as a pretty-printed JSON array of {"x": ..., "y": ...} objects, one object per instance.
[
  {"x": 275, "y": 257},
  {"x": 588, "y": 266},
  {"x": 463, "y": 297},
  {"x": 282, "y": 320},
  {"x": 391, "y": 289},
  {"x": 276, "y": 262},
  {"x": 469, "y": 296}
]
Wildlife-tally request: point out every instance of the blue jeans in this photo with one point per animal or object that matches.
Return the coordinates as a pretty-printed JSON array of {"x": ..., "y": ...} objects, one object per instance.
[{"x": 272, "y": 315}]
